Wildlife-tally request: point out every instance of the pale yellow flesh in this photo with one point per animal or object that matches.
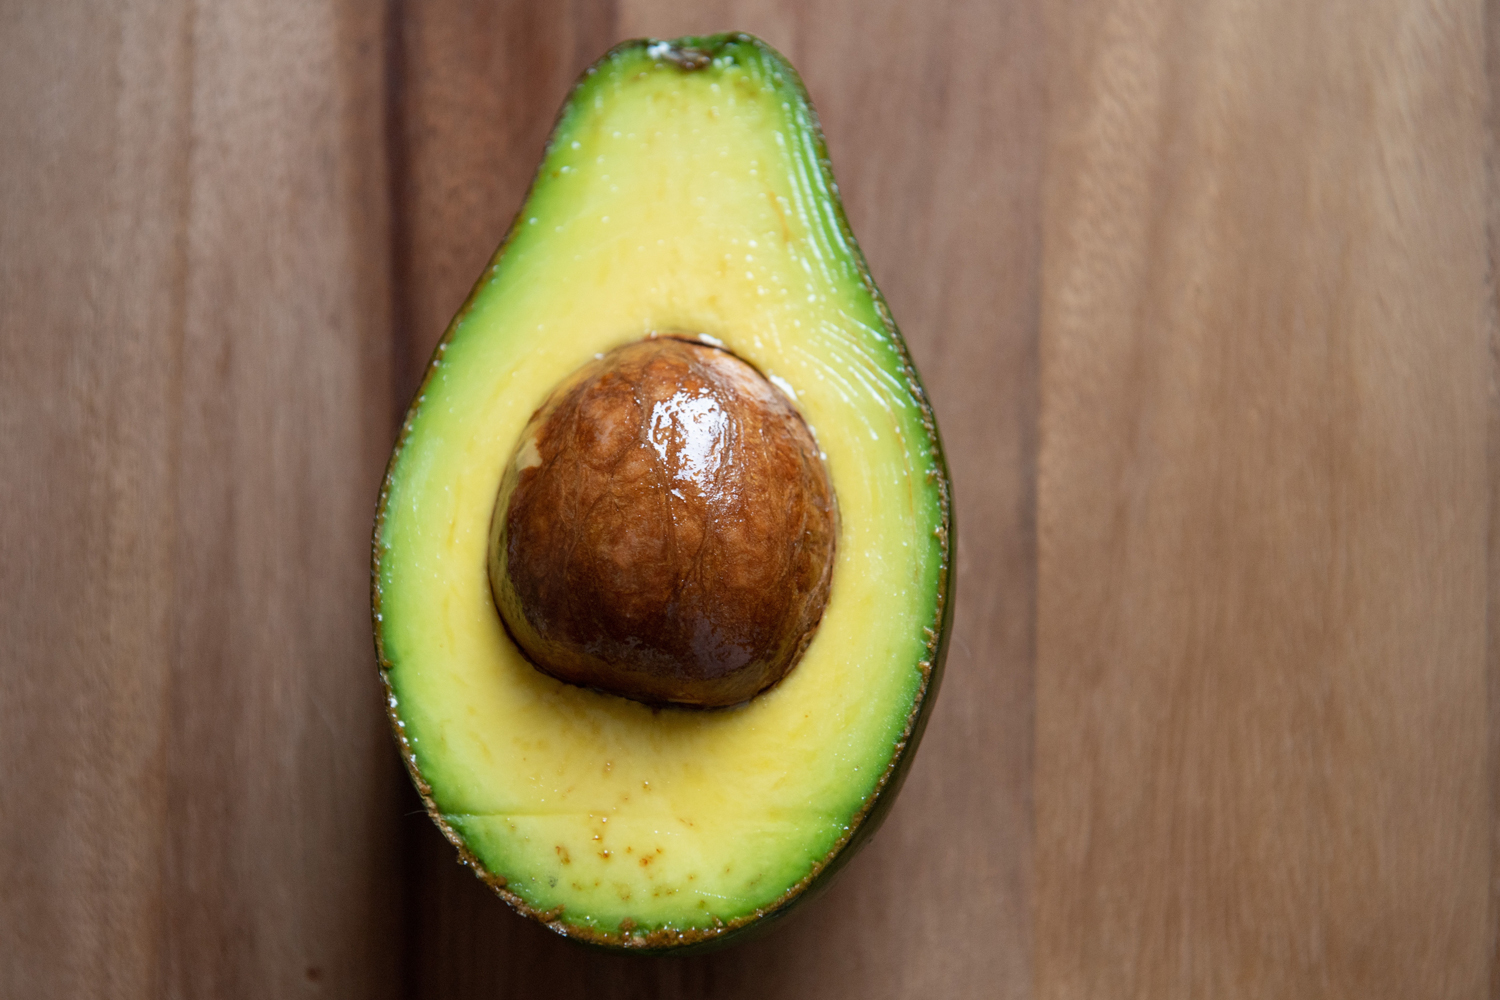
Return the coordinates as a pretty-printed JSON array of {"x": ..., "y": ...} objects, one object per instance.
[{"x": 690, "y": 203}]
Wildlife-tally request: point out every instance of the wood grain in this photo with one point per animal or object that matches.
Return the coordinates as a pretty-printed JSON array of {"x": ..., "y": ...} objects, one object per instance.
[
  {"x": 194, "y": 271},
  {"x": 1203, "y": 296},
  {"x": 1492, "y": 650},
  {"x": 934, "y": 125},
  {"x": 1263, "y": 503}
]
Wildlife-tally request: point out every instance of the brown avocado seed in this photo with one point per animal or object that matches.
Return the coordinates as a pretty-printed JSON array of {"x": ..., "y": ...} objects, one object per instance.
[{"x": 665, "y": 530}]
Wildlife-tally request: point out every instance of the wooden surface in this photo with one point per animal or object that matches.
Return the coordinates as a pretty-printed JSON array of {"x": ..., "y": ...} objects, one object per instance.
[
  {"x": 193, "y": 275},
  {"x": 1263, "y": 502},
  {"x": 1201, "y": 292}
]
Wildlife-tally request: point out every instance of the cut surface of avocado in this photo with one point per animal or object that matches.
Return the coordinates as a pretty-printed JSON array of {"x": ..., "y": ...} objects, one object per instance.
[{"x": 685, "y": 191}]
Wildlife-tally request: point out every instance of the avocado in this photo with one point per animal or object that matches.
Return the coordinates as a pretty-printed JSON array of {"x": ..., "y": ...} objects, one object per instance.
[{"x": 685, "y": 195}]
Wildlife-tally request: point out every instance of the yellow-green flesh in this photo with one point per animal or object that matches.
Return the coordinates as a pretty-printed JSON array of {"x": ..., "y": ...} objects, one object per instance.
[{"x": 669, "y": 201}]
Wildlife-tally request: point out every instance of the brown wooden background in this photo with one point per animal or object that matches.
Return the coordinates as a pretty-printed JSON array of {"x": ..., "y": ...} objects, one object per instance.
[{"x": 1203, "y": 293}]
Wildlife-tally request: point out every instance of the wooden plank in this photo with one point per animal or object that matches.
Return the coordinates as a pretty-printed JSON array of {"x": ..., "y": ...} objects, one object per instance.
[
  {"x": 92, "y": 208},
  {"x": 194, "y": 412},
  {"x": 1263, "y": 503},
  {"x": 934, "y": 125},
  {"x": 1492, "y": 639}
]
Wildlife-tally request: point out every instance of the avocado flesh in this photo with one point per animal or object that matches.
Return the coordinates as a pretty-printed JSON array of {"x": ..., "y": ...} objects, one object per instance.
[{"x": 670, "y": 200}]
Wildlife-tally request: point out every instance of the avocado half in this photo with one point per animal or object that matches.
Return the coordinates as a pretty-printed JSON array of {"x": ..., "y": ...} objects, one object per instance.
[{"x": 685, "y": 190}]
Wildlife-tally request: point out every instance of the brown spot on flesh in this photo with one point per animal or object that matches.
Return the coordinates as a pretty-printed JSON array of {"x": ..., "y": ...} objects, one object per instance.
[{"x": 666, "y": 530}]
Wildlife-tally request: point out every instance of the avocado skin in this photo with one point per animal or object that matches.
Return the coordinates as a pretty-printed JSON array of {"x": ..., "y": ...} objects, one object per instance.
[{"x": 690, "y": 54}]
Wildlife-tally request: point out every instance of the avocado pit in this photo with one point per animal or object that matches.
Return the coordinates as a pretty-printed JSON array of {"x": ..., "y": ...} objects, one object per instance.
[{"x": 665, "y": 530}]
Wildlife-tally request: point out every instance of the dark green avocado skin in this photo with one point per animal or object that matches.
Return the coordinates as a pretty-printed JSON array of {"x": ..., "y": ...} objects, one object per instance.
[{"x": 689, "y": 54}]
